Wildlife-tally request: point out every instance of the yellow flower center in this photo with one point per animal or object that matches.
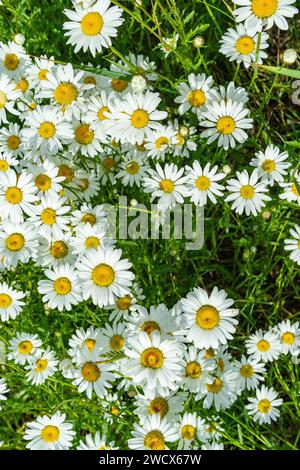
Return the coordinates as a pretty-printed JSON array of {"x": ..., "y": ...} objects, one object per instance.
[
  {"x": 207, "y": 317},
  {"x": 13, "y": 195},
  {"x": 67, "y": 172},
  {"x": 83, "y": 184},
  {"x": 43, "y": 74},
  {"x": 269, "y": 166},
  {"x": 25, "y": 347},
  {"x": 264, "y": 406},
  {"x": 139, "y": 118},
  {"x": 92, "y": 242},
  {"x": 90, "y": 372},
  {"x": 215, "y": 387},
  {"x": 167, "y": 186},
  {"x": 152, "y": 358},
  {"x": 202, "y": 183},
  {"x": 103, "y": 275},
  {"x": 5, "y": 300},
  {"x": 124, "y": 303},
  {"x": 11, "y": 61},
  {"x": 119, "y": 85},
  {"x": 92, "y": 24},
  {"x": 295, "y": 190},
  {"x": 50, "y": 433},
  {"x": 158, "y": 405},
  {"x": 62, "y": 285},
  {"x": 43, "y": 182},
  {"x": 150, "y": 326},
  {"x": 4, "y": 166},
  {"x": 47, "y": 130},
  {"x": 3, "y": 99},
  {"x": 15, "y": 242},
  {"x": 90, "y": 80},
  {"x": 154, "y": 440},
  {"x": 41, "y": 365},
  {"x": 246, "y": 371},
  {"x": 264, "y": 8},
  {"x": 22, "y": 85},
  {"x": 197, "y": 98},
  {"x": 263, "y": 345},
  {"x": 188, "y": 432},
  {"x": 90, "y": 344},
  {"x": 114, "y": 410},
  {"x": 48, "y": 216},
  {"x": 84, "y": 135},
  {"x": 65, "y": 93},
  {"x": 226, "y": 125},
  {"x": 117, "y": 342},
  {"x": 288, "y": 338},
  {"x": 179, "y": 139},
  {"x": 132, "y": 168},
  {"x": 59, "y": 249},
  {"x": 101, "y": 112},
  {"x": 161, "y": 142},
  {"x": 209, "y": 353},
  {"x": 193, "y": 370},
  {"x": 247, "y": 191},
  {"x": 108, "y": 164},
  {"x": 89, "y": 219},
  {"x": 245, "y": 45},
  {"x": 13, "y": 142}
]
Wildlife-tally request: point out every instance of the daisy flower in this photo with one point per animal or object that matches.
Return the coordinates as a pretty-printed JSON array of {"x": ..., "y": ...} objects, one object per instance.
[
  {"x": 190, "y": 426},
  {"x": 160, "y": 141},
  {"x": 87, "y": 141},
  {"x": 213, "y": 446},
  {"x": 18, "y": 242},
  {"x": 3, "y": 390},
  {"x": 52, "y": 433},
  {"x": 226, "y": 121},
  {"x": 168, "y": 45},
  {"x": 97, "y": 109},
  {"x": 183, "y": 143},
  {"x": 195, "y": 95},
  {"x": 154, "y": 364},
  {"x": 247, "y": 193},
  {"x": 104, "y": 275},
  {"x": 264, "y": 407},
  {"x": 167, "y": 184},
  {"x": 6, "y": 162},
  {"x": 153, "y": 434},
  {"x": 265, "y": 346},
  {"x": 17, "y": 195},
  {"x": 132, "y": 170},
  {"x": 197, "y": 371},
  {"x": 210, "y": 318},
  {"x": 46, "y": 178},
  {"x": 41, "y": 366},
  {"x": 10, "y": 302},
  {"x": 54, "y": 252},
  {"x": 112, "y": 337},
  {"x": 96, "y": 442},
  {"x": 93, "y": 27},
  {"x": 131, "y": 118},
  {"x": 13, "y": 59},
  {"x": 271, "y": 164},
  {"x": 168, "y": 407},
  {"x": 212, "y": 431},
  {"x": 50, "y": 217},
  {"x": 241, "y": 45},
  {"x": 250, "y": 372},
  {"x": 84, "y": 338},
  {"x": 125, "y": 305},
  {"x": 88, "y": 214},
  {"x": 23, "y": 346},
  {"x": 107, "y": 169},
  {"x": 8, "y": 96},
  {"x": 257, "y": 14},
  {"x": 38, "y": 71},
  {"x": 11, "y": 140},
  {"x": 86, "y": 184},
  {"x": 202, "y": 184},
  {"x": 293, "y": 244},
  {"x": 233, "y": 93},
  {"x": 291, "y": 190},
  {"x": 89, "y": 238},
  {"x": 158, "y": 318},
  {"x": 289, "y": 334},
  {"x": 142, "y": 66},
  {"x": 62, "y": 289},
  {"x": 222, "y": 391},
  {"x": 46, "y": 130}
]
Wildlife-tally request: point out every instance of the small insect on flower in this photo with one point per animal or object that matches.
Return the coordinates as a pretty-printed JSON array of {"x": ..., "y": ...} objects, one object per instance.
[
  {"x": 264, "y": 407},
  {"x": 52, "y": 433}
]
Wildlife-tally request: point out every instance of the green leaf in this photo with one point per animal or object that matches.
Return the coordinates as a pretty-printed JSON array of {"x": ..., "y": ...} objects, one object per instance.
[{"x": 281, "y": 71}]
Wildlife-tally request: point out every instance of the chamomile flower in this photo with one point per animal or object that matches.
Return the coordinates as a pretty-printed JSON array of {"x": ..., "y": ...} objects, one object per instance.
[
  {"x": 168, "y": 184},
  {"x": 17, "y": 195},
  {"x": 159, "y": 142},
  {"x": 7, "y": 163},
  {"x": 250, "y": 372},
  {"x": 257, "y": 14},
  {"x": 158, "y": 318},
  {"x": 93, "y": 27},
  {"x": 289, "y": 334},
  {"x": 55, "y": 251},
  {"x": 142, "y": 65},
  {"x": 83, "y": 338},
  {"x": 264, "y": 346},
  {"x": 46, "y": 178},
  {"x": 23, "y": 346},
  {"x": 197, "y": 371},
  {"x": 247, "y": 193},
  {"x": 97, "y": 109},
  {"x": 131, "y": 118},
  {"x": 264, "y": 407},
  {"x": 96, "y": 442},
  {"x": 46, "y": 130},
  {"x": 293, "y": 244},
  {"x": 38, "y": 71},
  {"x": 61, "y": 290},
  {"x": 271, "y": 164},
  {"x": 93, "y": 374},
  {"x": 52, "y": 433},
  {"x": 11, "y": 140},
  {"x": 183, "y": 143},
  {"x": 212, "y": 431},
  {"x": 123, "y": 307},
  {"x": 87, "y": 141},
  {"x": 195, "y": 95},
  {"x": 210, "y": 318},
  {"x": 168, "y": 407},
  {"x": 41, "y": 366},
  {"x": 241, "y": 45},
  {"x": 10, "y": 302},
  {"x": 18, "y": 242},
  {"x": 13, "y": 59},
  {"x": 112, "y": 337},
  {"x": 291, "y": 190},
  {"x": 153, "y": 363},
  {"x": 89, "y": 238},
  {"x": 222, "y": 391},
  {"x": 50, "y": 217},
  {"x": 168, "y": 45},
  {"x": 104, "y": 275},
  {"x": 153, "y": 434},
  {"x": 190, "y": 426},
  {"x": 225, "y": 122},
  {"x": 88, "y": 214},
  {"x": 213, "y": 446},
  {"x": 132, "y": 170},
  {"x": 202, "y": 183},
  {"x": 86, "y": 184},
  {"x": 107, "y": 169},
  {"x": 3, "y": 390},
  {"x": 8, "y": 96},
  {"x": 233, "y": 93}
]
